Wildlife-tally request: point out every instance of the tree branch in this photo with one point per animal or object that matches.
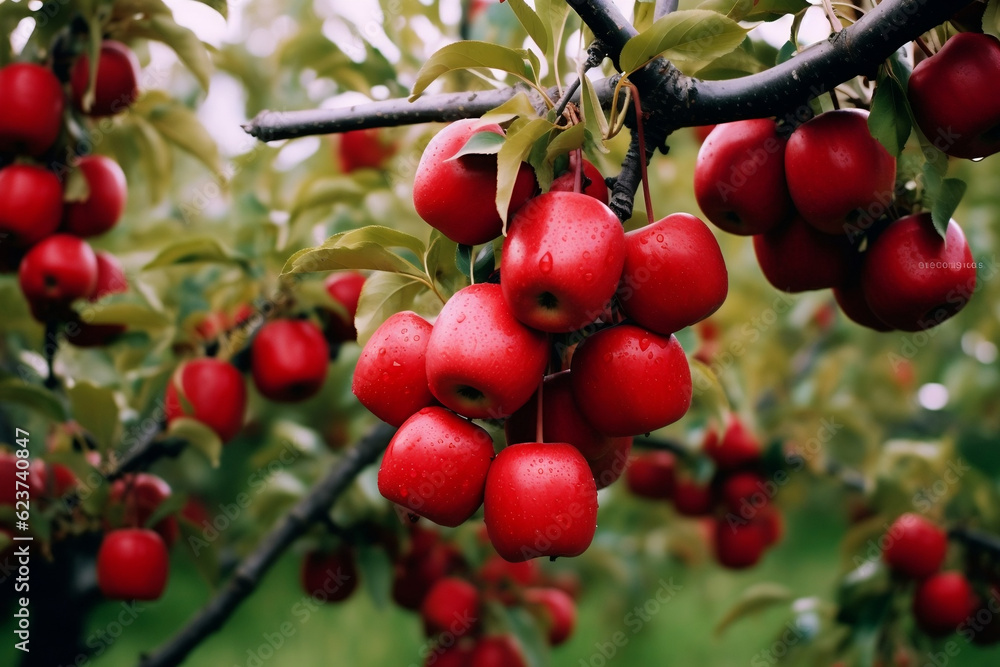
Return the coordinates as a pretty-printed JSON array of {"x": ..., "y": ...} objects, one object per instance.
[
  {"x": 976, "y": 539},
  {"x": 253, "y": 568}
]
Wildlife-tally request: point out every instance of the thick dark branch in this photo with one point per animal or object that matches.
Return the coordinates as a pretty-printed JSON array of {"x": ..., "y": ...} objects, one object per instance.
[
  {"x": 978, "y": 540},
  {"x": 253, "y": 568}
]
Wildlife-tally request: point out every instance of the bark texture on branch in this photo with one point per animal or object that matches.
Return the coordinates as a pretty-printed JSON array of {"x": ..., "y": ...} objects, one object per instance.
[{"x": 253, "y": 568}]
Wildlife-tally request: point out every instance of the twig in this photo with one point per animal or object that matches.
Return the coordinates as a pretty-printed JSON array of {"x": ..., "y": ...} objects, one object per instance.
[
  {"x": 252, "y": 569},
  {"x": 595, "y": 54},
  {"x": 976, "y": 539}
]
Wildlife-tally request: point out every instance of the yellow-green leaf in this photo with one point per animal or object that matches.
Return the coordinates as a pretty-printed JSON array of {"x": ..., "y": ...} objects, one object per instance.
[
  {"x": 470, "y": 55},
  {"x": 194, "y": 250},
  {"x": 95, "y": 409},
  {"x": 365, "y": 248},
  {"x": 37, "y": 398},
  {"x": 197, "y": 435},
  {"x": 510, "y": 157},
  {"x": 325, "y": 191},
  {"x": 180, "y": 126},
  {"x": 383, "y": 295},
  {"x": 693, "y": 36},
  {"x": 531, "y": 23},
  {"x": 754, "y": 599}
]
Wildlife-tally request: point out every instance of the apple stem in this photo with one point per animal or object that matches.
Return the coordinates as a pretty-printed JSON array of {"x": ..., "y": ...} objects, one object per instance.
[
  {"x": 539, "y": 431},
  {"x": 835, "y": 23},
  {"x": 578, "y": 176},
  {"x": 643, "y": 156},
  {"x": 919, "y": 41}
]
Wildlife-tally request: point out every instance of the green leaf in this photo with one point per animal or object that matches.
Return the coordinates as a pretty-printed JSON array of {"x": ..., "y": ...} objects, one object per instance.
[
  {"x": 785, "y": 53},
  {"x": 198, "y": 436},
  {"x": 325, "y": 191},
  {"x": 512, "y": 154},
  {"x": 180, "y": 126},
  {"x": 383, "y": 295},
  {"x": 593, "y": 114},
  {"x": 941, "y": 195},
  {"x": 991, "y": 19},
  {"x": 189, "y": 49},
  {"x": 440, "y": 263},
  {"x": 194, "y": 250},
  {"x": 518, "y": 106},
  {"x": 170, "y": 506},
  {"x": 889, "y": 120},
  {"x": 37, "y": 398},
  {"x": 480, "y": 143},
  {"x": 376, "y": 573},
  {"x": 531, "y": 23},
  {"x": 154, "y": 153},
  {"x": 733, "y": 65},
  {"x": 132, "y": 315},
  {"x": 95, "y": 409},
  {"x": 754, "y": 599},
  {"x": 469, "y": 55},
  {"x": 479, "y": 270},
  {"x": 528, "y": 631},
  {"x": 692, "y": 36},
  {"x": 218, "y": 5},
  {"x": 364, "y": 248},
  {"x": 770, "y": 10}
]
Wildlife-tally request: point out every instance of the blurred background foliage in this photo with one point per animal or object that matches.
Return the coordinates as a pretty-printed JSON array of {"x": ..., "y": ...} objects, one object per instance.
[{"x": 213, "y": 215}]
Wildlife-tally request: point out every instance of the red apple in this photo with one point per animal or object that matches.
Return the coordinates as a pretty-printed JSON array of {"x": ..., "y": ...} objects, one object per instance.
[
  {"x": 739, "y": 545},
  {"x": 140, "y": 495},
  {"x": 838, "y": 174},
  {"x": 363, "y": 149},
  {"x": 557, "y": 609},
  {"x": 32, "y": 109},
  {"x": 952, "y": 97},
  {"x": 499, "y": 651},
  {"x": 451, "y": 606},
  {"x": 628, "y": 380},
  {"x": 499, "y": 572},
  {"x": 652, "y": 475},
  {"x": 942, "y": 602},
  {"x": 701, "y": 132},
  {"x": 458, "y": 196},
  {"x": 796, "y": 257},
  {"x": 214, "y": 394},
  {"x": 915, "y": 546},
  {"x": 481, "y": 361},
  {"x": 344, "y": 287},
  {"x": 736, "y": 448},
  {"x": 851, "y": 298},
  {"x": 561, "y": 262},
  {"x": 329, "y": 576},
  {"x": 132, "y": 564},
  {"x": 390, "y": 378},
  {"x": 110, "y": 280},
  {"x": 416, "y": 572},
  {"x": 745, "y": 494},
  {"x": 592, "y": 182},
  {"x": 610, "y": 466},
  {"x": 289, "y": 360},
  {"x": 117, "y": 85},
  {"x": 55, "y": 272},
  {"x": 541, "y": 500},
  {"x": 674, "y": 274},
  {"x": 105, "y": 202},
  {"x": 436, "y": 466},
  {"x": 693, "y": 498},
  {"x": 32, "y": 203},
  {"x": 739, "y": 177},
  {"x": 913, "y": 279}
]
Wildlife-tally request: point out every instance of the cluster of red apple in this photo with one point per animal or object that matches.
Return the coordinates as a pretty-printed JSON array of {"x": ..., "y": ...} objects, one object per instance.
[
  {"x": 43, "y": 214},
  {"x": 819, "y": 203},
  {"x": 737, "y": 499},
  {"x": 943, "y": 602},
  {"x": 568, "y": 273},
  {"x": 432, "y": 577}
]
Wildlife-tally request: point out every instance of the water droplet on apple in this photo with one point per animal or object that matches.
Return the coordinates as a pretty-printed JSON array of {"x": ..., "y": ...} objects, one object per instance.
[
  {"x": 978, "y": 159},
  {"x": 607, "y": 357},
  {"x": 643, "y": 344},
  {"x": 381, "y": 351},
  {"x": 659, "y": 238},
  {"x": 460, "y": 318},
  {"x": 545, "y": 263},
  {"x": 416, "y": 337},
  {"x": 588, "y": 276}
]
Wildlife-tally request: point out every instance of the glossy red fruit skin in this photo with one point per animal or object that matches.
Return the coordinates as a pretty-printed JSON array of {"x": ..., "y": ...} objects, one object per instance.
[
  {"x": 53, "y": 481},
  {"x": 558, "y": 608},
  {"x": 541, "y": 500},
  {"x": 942, "y": 602},
  {"x": 475, "y": 338},
  {"x": 562, "y": 421},
  {"x": 499, "y": 572},
  {"x": 912, "y": 279},
  {"x": 838, "y": 173},
  {"x": 628, "y": 380},
  {"x": 32, "y": 203},
  {"x": 566, "y": 248},
  {"x": 110, "y": 280},
  {"x": 132, "y": 564},
  {"x": 674, "y": 274},
  {"x": 31, "y": 114},
  {"x": 952, "y": 96},
  {"x": 105, "y": 203},
  {"x": 851, "y": 298},
  {"x": 344, "y": 287},
  {"x": 739, "y": 177},
  {"x": 597, "y": 188},
  {"x": 140, "y": 495},
  {"x": 436, "y": 466},
  {"x": 739, "y": 545},
  {"x": 117, "y": 86},
  {"x": 737, "y": 447},
  {"x": 329, "y": 576},
  {"x": 363, "y": 149},
  {"x": 652, "y": 475},
  {"x": 915, "y": 547},
  {"x": 216, "y": 393},
  {"x": 745, "y": 494},
  {"x": 451, "y": 606},
  {"x": 458, "y": 197},
  {"x": 289, "y": 360},
  {"x": 796, "y": 257},
  {"x": 609, "y": 467},
  {"x": 56, "y": 271},
  {"x": 499, "y": 651},
  {"x": 416, "y": 572},
  {"x": 692, "y": 498},
  {"x": 390, "y": 378}
]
